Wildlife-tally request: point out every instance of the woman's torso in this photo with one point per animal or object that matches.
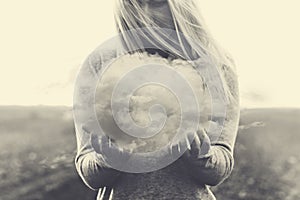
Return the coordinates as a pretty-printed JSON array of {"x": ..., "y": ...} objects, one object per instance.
[{"x": 172, "y": 182}]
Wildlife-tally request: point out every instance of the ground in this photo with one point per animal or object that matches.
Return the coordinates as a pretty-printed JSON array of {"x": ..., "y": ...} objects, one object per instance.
[{"x": 37, "y": 150}]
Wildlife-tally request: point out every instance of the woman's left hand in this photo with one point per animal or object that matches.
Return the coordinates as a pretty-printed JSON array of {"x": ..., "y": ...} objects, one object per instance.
[{"x": 200, "y": 147}]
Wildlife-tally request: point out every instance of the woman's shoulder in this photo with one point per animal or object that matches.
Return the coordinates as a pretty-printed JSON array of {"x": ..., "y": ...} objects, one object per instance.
[{"x": 103, "y": 54}]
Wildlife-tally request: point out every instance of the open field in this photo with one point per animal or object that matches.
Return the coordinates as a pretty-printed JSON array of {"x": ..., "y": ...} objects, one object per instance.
[{"x": 37, "y": 150}]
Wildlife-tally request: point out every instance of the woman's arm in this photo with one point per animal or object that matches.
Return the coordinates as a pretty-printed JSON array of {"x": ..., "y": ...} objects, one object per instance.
[
  {"x": 212, "y": 169},
  {"x": 91, "y": 166},
  {"x": 218, "y": 164}
]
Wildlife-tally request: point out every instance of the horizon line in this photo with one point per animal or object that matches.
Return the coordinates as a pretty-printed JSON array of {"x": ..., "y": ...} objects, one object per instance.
[{"x": 70, "y": 106}]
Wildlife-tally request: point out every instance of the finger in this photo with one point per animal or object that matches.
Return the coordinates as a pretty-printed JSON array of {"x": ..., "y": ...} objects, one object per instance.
[
  {"x": 190, "y": 139},
  {"x": 196, "y": 145},
  {"x": 173, "y": 148},
  {"x": 205, "y": 141},
  {"x": 188, "y": 143},
  {"x": 177, "y": 147},
  {"x": 105, "y": 146}
]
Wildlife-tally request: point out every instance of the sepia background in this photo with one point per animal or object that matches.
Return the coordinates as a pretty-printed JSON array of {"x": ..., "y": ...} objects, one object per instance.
[{"x": 43, "y": 43}]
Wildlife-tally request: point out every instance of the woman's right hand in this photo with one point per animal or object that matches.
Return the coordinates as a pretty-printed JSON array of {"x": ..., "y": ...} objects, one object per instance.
[{"x": 197, "y": 144}]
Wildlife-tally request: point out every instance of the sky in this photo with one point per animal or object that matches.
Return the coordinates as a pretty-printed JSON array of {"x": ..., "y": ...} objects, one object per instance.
[{"x": 43, "y": 43}]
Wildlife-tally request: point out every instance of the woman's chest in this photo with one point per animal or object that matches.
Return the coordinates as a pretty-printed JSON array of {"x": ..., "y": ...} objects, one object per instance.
[{"x": 171, "y": 182}]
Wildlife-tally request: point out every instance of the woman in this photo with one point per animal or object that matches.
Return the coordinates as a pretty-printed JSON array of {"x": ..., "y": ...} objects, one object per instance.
[{"x": 191, "y": 175}]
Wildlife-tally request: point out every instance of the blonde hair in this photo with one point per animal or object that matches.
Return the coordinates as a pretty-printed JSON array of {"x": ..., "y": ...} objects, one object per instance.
[{"x": 193, "y": 38}]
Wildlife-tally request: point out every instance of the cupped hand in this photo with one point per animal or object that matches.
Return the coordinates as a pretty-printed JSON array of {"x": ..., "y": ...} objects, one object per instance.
[
  {"x": 200, "y": 146},
  {"x": 196, "y": 144}
]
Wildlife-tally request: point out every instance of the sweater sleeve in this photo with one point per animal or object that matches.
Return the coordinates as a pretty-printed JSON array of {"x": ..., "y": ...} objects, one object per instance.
[
  {"x": 90, "y": 165},
  {"x": 215, "y": 168}
]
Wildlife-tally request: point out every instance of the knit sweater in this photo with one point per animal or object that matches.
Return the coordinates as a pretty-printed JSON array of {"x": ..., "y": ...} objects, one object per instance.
[{"x": 187, "y": 178}]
